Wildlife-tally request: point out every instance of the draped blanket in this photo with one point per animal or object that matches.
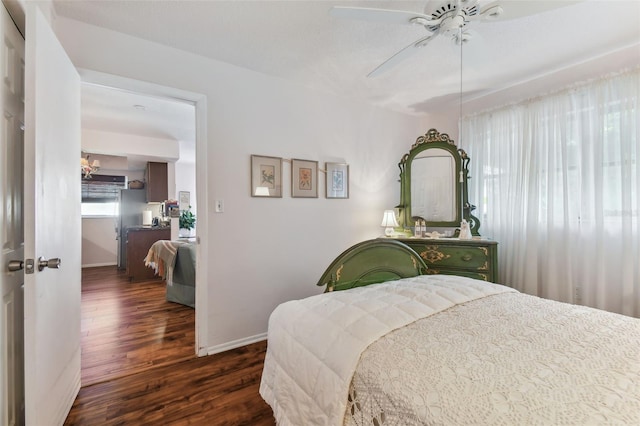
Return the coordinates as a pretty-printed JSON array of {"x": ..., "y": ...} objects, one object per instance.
[
  {"x": 314, "y": 344},
  {"x": 162, "y": 258}
]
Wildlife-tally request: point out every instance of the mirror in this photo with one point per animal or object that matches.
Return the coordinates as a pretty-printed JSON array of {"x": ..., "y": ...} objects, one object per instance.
[{"x": 433, "y": 184}]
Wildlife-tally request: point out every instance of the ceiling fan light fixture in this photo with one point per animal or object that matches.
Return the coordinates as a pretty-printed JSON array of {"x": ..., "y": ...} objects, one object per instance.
[
  {"x": 453, "y": 23},
  {"x": 462, "y": 38}
]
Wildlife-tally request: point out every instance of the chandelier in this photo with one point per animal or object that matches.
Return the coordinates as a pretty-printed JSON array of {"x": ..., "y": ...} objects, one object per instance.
[{"x": 88, "y": 168}]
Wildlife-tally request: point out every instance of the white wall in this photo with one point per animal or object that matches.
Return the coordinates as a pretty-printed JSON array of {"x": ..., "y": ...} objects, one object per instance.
[
  {"x": 186, "y": 181},
  {"x": 554, "y": 80},
  {"x": 99, "y": 244},
  {"x": 262, "y": 252},
  {"x": 446, "y": 123},
  {"x": 111, "y": 143}
]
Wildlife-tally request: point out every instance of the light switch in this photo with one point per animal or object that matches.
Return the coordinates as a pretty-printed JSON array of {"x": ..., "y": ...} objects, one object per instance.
[{"x": 219, "y": 206}]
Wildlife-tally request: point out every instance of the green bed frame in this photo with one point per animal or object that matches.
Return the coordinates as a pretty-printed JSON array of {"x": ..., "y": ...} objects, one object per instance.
[{"x": 371, "y": 262}]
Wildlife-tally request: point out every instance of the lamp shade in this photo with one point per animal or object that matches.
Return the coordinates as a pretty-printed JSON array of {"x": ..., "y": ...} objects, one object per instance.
[
  {"x": 389, "y": 222},
  {"x": 389, "y": 219},
  {"x": 261, "y": 191}
]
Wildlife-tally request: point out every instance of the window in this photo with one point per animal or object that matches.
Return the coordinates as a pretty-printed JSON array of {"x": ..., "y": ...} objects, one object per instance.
[
  {"x": 557, "y": 180},
  {"x": 100, "y": 195},
  {"x": 106, "y": 209}
]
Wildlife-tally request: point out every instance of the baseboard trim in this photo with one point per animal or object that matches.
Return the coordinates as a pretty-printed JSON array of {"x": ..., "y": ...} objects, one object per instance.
[
  {"x": 211, "y": 350},
  {"x": 96, "y": 265}
]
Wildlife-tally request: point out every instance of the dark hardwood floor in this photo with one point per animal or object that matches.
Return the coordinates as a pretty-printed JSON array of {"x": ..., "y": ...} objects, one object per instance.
[
  {"x": 139, "y": 364},
  {"x": 129, "y": 327}
]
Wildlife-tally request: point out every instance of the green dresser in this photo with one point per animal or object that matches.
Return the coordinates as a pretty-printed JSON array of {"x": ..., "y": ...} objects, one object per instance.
[{"x": 469, "y": 258}]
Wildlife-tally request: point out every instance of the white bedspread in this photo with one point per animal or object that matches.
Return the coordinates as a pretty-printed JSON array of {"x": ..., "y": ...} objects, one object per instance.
[
  {"x": 314, "y": 344},
  {"x": 508, "y": 359}
]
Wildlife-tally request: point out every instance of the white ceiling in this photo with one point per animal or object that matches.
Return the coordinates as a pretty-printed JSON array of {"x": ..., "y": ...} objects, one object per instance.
[
  {"x": 301, "y": 42},
  {"x": 134, "y": 111},
  {"x": 118, "y": 111}
]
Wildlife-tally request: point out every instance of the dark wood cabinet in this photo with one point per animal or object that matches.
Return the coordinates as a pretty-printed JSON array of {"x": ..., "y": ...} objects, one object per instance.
[
  {"x": 139, "y": 241},
  {"x": 469, "y": 258},
  {"x": 156, "y": 182}
]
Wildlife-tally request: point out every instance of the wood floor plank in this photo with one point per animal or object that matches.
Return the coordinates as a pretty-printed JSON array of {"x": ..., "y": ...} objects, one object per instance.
[
  {"x": 123, "y": 323},
  {"x": 219, "y": 389},
  {"x": 139, "y": 365}
]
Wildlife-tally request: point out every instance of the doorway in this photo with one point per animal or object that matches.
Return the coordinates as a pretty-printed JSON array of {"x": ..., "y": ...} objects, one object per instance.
[{"x": 140, "y": 97}]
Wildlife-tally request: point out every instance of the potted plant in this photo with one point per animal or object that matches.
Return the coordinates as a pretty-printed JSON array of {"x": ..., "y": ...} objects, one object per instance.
[{"x": 186, "y": 222}]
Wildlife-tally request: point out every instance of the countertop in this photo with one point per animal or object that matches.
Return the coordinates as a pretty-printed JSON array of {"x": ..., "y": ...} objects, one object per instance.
[{"x": 146, "y": 228}]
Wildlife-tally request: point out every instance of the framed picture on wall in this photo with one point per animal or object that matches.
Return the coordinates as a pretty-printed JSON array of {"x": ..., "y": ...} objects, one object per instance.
[
  {"x": 337, "y": 180},
  {"x": 184, "y": 200},
  {"x": 304, "y": 178},
  {"x": 266, "y": 176}
]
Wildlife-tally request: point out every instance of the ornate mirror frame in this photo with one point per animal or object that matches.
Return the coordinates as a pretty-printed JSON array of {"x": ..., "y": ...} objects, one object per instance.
[{"x": 436, "y": 140}]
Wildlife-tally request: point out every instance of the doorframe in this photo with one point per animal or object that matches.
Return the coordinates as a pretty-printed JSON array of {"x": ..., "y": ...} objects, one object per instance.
[{"x": 200, "y": 102}]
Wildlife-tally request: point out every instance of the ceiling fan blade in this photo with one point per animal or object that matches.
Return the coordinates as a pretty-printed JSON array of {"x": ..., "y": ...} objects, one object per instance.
[
  {"x": 518, "y": 9},
  {"x": 383, "y": 15},
  {"x": 400, "y": 56},
  {"x": 490, "y": 12}
]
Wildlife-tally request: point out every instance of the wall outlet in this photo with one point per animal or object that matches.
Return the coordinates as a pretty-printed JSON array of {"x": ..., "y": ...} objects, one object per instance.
[{"x": 219, "y": 206}]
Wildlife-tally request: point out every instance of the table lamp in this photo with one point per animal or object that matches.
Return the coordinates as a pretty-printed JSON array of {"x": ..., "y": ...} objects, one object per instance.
[{"x": 389, "y": 222}]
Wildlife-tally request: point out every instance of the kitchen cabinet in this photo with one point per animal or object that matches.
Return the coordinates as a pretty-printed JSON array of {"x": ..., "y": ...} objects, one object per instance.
[
  {"x": 139, "y": 241},
  {"x": 157, "y": 185}
]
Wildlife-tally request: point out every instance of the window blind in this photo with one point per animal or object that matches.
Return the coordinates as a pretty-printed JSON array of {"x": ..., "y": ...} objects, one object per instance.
[{"x": 102, "y": 188}]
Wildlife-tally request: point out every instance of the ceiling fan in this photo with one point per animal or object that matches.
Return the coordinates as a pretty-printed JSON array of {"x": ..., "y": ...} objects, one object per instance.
[{"x": 440, "y": 18}]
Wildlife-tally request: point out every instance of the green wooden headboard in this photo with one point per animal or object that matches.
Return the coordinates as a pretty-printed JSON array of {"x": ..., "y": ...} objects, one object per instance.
[{"x": 371, "y": 262}]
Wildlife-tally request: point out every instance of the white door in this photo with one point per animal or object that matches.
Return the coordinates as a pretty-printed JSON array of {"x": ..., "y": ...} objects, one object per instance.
[
  {"x": 52, "y": 226},
  {"x": 11, "y": 231}
]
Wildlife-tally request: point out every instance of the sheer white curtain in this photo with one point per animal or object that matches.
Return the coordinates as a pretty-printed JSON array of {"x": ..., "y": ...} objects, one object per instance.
[{"x": 557, "y": 181}]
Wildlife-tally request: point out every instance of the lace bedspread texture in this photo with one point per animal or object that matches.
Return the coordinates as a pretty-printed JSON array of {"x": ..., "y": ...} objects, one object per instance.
[{"x": 504, "y": 359}]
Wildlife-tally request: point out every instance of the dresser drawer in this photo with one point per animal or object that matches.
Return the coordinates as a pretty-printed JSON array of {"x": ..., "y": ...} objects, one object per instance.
[
  {"x": 451, "y": 256},
  {"x": 484, "y": 276},
  {"x": 474, "y": 258}
]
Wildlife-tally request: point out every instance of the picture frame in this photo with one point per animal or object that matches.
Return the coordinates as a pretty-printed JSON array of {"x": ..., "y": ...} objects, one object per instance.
[
  {"x": 304, "y": 178},
  {"x": 266, "y": 176},
  {"x": 337, "y": 180},
  {"x": 184, "y": 200}
]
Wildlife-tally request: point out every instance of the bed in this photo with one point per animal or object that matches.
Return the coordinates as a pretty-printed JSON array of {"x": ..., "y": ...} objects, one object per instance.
[
  {"x": 175, "y": 262},
  {"x": 393, "y": 346}
]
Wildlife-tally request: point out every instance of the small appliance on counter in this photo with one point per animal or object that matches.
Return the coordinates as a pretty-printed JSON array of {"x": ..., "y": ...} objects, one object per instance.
[{"x": 147, "y": 218}]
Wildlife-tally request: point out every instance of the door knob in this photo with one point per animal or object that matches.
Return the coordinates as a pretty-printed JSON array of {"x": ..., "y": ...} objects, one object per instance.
[
  {"x": 53, "y": 263},
  {"x": 15, "y": 265}
]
